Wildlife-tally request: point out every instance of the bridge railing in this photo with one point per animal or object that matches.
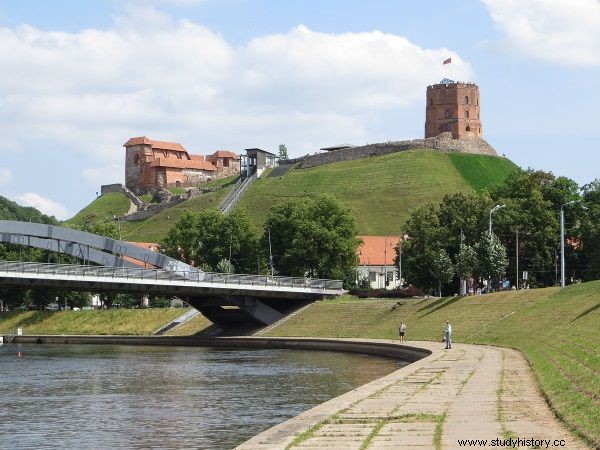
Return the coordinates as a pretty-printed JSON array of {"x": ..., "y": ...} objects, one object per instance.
[{"x": 174, "y": 275}]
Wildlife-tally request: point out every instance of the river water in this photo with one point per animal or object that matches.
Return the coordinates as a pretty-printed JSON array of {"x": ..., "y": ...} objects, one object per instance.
[{"x": 105, "y": 397}]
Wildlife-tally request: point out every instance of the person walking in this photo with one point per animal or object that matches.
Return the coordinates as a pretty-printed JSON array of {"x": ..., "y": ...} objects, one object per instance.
[
  {"x": 448, "y": 335},
  {"x": 402, "y": 331}
]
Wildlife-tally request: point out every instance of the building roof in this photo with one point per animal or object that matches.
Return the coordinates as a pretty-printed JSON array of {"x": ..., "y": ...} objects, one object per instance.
[
  {"x": 162, "y": 145},
  {"x": 259, "y": 150},
  {"x": 337, "y": 147},
  {"x": 225, "y": 154},
  {"x": 377, "y": 250},
  {"x": 146, "y": 245},
  {"x": 183, "y": 164}
]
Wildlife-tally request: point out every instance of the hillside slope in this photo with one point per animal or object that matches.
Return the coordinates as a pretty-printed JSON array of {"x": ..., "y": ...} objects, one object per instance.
[
  {"x": 556, "y": 329},
  {"x": 154, "y": 228},
  {"x": 104, "y": 207},
  {"x": 381, "y": 190}
]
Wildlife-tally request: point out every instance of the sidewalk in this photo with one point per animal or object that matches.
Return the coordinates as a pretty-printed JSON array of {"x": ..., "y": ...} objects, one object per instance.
[{"x": 469, "y": 392}]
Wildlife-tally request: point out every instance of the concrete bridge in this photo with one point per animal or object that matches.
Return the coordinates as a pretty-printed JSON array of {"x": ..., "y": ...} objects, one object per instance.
[{"x": 225, "y": 299}]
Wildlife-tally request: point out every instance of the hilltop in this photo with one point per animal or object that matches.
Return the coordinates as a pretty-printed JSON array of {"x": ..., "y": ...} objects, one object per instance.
[{"x": 381, "y": 190}]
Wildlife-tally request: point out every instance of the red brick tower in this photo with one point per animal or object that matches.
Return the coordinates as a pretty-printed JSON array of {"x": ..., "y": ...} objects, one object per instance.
[{"x": 453, "y": 107}]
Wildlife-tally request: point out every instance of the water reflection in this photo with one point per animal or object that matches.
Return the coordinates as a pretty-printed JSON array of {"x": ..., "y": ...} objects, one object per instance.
[{"x": 87, "y": 396}]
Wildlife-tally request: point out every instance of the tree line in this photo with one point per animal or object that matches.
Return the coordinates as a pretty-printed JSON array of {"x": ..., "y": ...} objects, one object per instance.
[{"x": 451, "y": 240}]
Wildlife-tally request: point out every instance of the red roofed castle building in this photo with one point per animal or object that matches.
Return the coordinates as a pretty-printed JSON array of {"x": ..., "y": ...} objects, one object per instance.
[{"x": 151, "y": 164}]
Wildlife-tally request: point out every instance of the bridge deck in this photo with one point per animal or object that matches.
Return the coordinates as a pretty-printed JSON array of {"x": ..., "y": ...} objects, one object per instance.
[{"x": 159, "y": 281}]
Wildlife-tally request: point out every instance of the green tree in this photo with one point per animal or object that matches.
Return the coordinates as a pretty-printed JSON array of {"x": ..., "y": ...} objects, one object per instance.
[
  {"x": 586, "y": 262},
  {"x": 442, "y": 269},
  {"x": 466, "y": 261},
  {"x": 283, "y": 152},
  {"x": 491, "y": 257},
  {"x": 533, "y": 200},
  {"x": 206, "y": 238},
  {"x": 10, "y": 210},
  {"x": 426, "y": 238},
  {"x": 313, "y": 236}
]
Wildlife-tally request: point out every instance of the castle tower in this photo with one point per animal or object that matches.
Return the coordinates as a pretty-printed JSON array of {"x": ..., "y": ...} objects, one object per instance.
[{"x": 453, "y": 107}]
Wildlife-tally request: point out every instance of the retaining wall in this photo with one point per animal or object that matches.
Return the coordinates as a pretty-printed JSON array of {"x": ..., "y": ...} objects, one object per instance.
[
  {"x": 443, "y": 143},
  {"x": 389, "y": 348}
]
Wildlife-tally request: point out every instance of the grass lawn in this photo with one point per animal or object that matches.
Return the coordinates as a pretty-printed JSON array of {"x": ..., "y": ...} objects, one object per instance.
[
  {"x": 483, "y": 171},
  {"x": 557, "y": 330},
  {"x": 156, "y": 227},
  {"x": 112, "y": 321},
  {"x": 105, "y": 206},
  {"x": 380, "y": 190}
]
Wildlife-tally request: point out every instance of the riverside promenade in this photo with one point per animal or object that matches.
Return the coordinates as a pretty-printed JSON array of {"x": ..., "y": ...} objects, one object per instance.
[{"x": 467, "y": 393}]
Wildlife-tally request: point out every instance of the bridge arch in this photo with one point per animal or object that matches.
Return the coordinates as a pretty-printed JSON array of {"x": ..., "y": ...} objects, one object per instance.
[{"x": 88, "y": 246}]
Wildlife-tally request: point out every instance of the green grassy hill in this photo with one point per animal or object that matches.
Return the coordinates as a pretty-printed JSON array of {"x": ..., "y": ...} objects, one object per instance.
[
  {"x": 154, "y": 228},
  {"x": 558, "y": 331},
  {"x": 104, "y": 207},
  {"x": 381, "y": 190}
]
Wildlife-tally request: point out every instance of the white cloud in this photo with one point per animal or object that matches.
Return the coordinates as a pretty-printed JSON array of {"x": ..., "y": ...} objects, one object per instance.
[
  {"x": 86, "y": 93},
  {"x": 561, "y": 31},
  {"x": 5, "y": 176},
  {"x": 45, "y": 205}
]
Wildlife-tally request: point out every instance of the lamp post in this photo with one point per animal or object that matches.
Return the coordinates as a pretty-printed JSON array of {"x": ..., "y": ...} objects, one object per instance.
[
  {"x": 562, "y": 240},
  {"x": 495, "y": 208},
  {"x": 115, "y": 217}
]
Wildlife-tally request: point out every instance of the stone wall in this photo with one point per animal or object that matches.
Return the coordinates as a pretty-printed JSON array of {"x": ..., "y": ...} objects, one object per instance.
[
  {"x": 442, "y": 143},
  {"x": 119, "y": 188},
  {"x": 151, "y": 210}
]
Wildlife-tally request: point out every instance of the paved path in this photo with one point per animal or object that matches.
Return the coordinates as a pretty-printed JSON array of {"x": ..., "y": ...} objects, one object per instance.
[{"x": 469, "y": 392}]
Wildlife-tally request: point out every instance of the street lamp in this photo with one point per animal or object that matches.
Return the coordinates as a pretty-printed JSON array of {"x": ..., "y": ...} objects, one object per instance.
[
  {"x": 115, "y": 217},
  {"x": 562, "y": 240},
  {"x": 495, "y": 208}
]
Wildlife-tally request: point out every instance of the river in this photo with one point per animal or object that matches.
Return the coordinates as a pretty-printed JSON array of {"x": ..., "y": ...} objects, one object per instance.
[{"x": 137, "y": 397}]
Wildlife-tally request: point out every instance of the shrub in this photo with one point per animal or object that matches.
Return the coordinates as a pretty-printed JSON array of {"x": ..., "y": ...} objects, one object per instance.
[{"x": 408, "y": 292}]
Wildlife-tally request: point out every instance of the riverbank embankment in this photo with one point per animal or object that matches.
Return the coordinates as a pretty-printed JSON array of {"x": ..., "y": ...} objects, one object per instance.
[{"x": 443, "y": 397}]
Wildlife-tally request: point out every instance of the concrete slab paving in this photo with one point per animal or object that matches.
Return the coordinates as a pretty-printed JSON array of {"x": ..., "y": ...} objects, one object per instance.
[{"x": 472, "y": 392}]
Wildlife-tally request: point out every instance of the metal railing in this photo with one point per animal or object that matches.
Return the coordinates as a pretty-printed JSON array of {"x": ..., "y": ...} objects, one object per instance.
[
  {"x": 173, "y": 275},
  {"x": 234, "y": 196}
]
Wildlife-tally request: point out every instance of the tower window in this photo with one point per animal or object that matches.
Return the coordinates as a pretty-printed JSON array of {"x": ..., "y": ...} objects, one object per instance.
[
  {"x": 430, "y": 101},
  {"x": 468, "y": 128},
  {"x": 136, "y": 159},
  {"x": 467, "y": 114},
  {"x": 447, "y": 114},
  {"x": 466, "y": 99}
]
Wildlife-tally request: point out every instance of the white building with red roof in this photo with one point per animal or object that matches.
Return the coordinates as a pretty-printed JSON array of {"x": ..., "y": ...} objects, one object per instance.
[{"x": 377, "y": 263}]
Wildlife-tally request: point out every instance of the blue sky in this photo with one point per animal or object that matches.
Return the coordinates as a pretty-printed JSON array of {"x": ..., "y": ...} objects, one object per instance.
[{"x": 77, "y": 79}]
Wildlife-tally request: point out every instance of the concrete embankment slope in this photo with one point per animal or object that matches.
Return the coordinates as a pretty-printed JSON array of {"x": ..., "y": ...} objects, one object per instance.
[{"x": 444, "y": 396}]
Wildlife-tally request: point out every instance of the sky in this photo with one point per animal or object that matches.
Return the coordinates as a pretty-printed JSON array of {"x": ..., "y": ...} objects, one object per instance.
[{"x": 78, "y": 79}]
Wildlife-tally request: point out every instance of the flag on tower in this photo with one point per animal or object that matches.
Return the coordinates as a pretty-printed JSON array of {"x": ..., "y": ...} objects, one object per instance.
[{"x": 448, "y": 61}]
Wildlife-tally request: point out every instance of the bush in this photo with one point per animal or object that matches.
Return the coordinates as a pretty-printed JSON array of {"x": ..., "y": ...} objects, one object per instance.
[{"x": 408, "y": 292}]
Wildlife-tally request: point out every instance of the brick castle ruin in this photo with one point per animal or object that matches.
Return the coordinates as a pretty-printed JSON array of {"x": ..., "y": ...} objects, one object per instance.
[{"x": 153, "y": 164}]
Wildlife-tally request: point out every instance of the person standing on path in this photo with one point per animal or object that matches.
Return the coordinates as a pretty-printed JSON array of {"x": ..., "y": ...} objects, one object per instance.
[
  {"x": 402, "y": 331},
  {"x": 448, "y": 335}
]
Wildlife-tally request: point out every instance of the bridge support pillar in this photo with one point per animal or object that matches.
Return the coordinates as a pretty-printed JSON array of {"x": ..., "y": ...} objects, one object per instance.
[{"x": 249, "y": 309}]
